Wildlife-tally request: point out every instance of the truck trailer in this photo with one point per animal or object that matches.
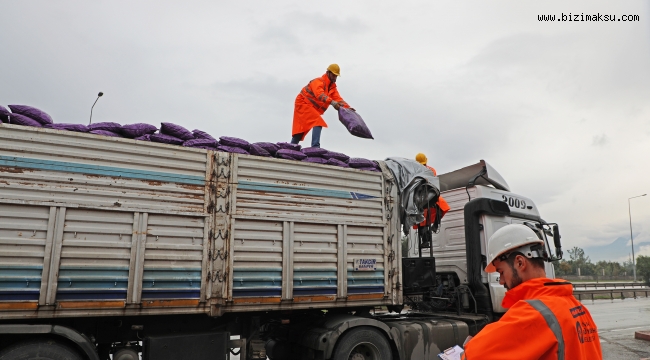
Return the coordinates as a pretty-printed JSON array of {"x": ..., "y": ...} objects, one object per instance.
[{"x": 114, "y": 248}]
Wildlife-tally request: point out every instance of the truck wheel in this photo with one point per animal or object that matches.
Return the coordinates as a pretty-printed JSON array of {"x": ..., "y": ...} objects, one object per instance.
[
  {"x": 363, "y": 343},
  {"x": 45, "y": 349}
]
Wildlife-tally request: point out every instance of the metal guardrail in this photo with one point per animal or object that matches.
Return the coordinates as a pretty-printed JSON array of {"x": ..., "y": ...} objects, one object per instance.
[
  {"x": 621, "y": 293},
  {"x": 614, "y": 285}
]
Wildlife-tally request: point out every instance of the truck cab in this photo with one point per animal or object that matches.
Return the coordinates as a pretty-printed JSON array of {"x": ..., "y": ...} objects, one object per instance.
[{"x": 458, "y": 188}]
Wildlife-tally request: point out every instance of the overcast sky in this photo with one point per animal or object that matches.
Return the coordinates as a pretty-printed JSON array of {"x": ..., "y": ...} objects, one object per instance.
[{"x": 560, "y": 109}]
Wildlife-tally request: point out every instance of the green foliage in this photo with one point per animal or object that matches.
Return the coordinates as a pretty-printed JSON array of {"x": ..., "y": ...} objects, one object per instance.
[
  {"x": 578, "y": 259},
  {"x": 643, "y": 268}
]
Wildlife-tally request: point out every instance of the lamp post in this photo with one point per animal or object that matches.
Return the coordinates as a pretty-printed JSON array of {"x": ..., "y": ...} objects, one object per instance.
[{"x": 629, "y": 209}]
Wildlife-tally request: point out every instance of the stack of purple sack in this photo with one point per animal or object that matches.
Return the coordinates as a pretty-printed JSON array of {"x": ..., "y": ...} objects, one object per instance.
[{"x": 178, "y": 135}]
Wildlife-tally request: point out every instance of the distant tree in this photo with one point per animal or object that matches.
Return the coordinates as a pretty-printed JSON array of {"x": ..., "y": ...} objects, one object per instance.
[
  {"x": 578, "y": 259},
  {"x": 643, "y": 267}
]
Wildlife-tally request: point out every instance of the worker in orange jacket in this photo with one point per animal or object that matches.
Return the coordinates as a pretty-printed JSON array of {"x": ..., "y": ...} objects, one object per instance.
[
  {"x": 312, "y": 102},
  {"x": 442, "y": 203},
  {"x": 544, "y": 320}
]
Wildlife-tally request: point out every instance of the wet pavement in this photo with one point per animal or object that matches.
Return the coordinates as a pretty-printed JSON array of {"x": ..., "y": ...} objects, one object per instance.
[{"x": 617, "y": 320}]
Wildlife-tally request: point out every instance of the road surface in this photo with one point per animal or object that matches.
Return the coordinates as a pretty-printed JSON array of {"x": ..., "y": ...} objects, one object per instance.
[{"x": 617, "y": 320}]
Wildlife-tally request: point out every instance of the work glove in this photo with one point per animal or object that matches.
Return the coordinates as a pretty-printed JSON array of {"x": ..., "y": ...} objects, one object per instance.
[{"x": 336, "y": 105}]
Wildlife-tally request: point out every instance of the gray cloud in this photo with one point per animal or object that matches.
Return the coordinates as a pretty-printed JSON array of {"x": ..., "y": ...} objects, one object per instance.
[{"x": 599, "y": 140}]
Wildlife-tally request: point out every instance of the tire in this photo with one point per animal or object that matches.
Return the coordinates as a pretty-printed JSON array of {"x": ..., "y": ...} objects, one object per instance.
[
  {"x": 363, "y": 343},
  {"x": 44, "y": 349}
]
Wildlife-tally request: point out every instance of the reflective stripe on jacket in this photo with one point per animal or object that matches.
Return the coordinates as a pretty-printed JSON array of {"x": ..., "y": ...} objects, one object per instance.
[
  {"x": 544, "y": 321},
  {"x": 312, "y": 102}
]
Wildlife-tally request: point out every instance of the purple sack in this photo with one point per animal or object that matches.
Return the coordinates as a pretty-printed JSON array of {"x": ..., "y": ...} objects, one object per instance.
[
  {"x": 32, "y": 112},
  {"x": 232, "y": 149},
  {"x": 354, "y": 123},
  {"x": 270, "y": 147},
  {"x": 165, "y": 139},
  {"x": 4, "y": 114},
  {"x": 200, "y": 142},
  {"x": 68, "y": 127},
  {"x": 19, "y": 119},
  {"x": 315, "y": 160},
  {"x": 338, "y": 156},
  {"x": 176, "y": 131},
  {"x": 136, "y": 130},
  {"x": 290, "y": 154},
  {"x": 198, "y": 134},
  {"x": 105, "y": 133},
  {"x": 258, "y": 151},
  {"x": 110, "y": 126},
  {"x": 144, "y": 138},
  {"x": 361, "y": 163},
  {"x": 286, "y": 145},
  {"x": 314, "y": 151},
  {"x": 336, "y": 162},
  {"x": 234, "y": 142}
]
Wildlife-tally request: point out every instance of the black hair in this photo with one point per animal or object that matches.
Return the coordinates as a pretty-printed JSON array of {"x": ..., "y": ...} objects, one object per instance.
[{"x": 536, "y": 262}]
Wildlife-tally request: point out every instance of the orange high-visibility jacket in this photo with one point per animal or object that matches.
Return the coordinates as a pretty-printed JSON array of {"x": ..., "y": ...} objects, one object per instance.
[
  {"x": 544, "y": 321},
  {"x": 442, "y": 203},
  {"x": 312, "y": 102}
]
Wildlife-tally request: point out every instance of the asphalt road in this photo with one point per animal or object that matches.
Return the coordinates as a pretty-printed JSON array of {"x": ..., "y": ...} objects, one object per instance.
[{"x": 617, "y": 320}]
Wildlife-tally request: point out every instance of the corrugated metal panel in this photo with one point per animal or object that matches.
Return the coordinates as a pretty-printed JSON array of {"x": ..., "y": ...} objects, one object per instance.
[
  {"x": 173, "y": 257},
  {"x": 257, "y": 260},
  {"x": 365, "y": 243},
  {"x": 298, "y": 191},
  {"x": 95, "y": 255},
  {"x": 23, "y": 232},
  {"x": 44, "y": 166},
  {"x": 314, "y": 259}
]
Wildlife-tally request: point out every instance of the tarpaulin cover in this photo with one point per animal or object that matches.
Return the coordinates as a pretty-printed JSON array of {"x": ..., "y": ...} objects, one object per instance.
[
  {"x": 39, "y": 115},
  {"x": 144, "y": 138},
  {"x": 200, "y": 142},
  {"x": 110, "y": 126},
  {"x": 136, "y": 130},
  {"x": 234, "y": 142},
  {"x": 199, "y": 134},
  {"x": 4, "y": 114},
  {"x": 232, "y": 149},
  {"x": 290, "y": 146},
  {"x": 290, "y": 154},
  {"x": 19, "y": 119},
  {"x": 166, "y": 139},
  {"x": 418, "y": 187},
  {"x": 270, "y": 147},
  {"x": 259, "y": 151},
  {"x": 176, "y": 131},
  {"x": 314, "y": 151},
  {"x": 105, "y": 133},
  {"x": 335, "y": 162},
  {"x": 361, "y": 163},
  {"x": 354, "y": 123},
  {"x": 337, "y": 156},
  {"x": 315, "y": 160},
  {"x": 68, "y": 127}
]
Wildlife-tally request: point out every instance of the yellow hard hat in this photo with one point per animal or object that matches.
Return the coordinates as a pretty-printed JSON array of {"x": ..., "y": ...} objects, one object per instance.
[
  {"x": 421, "y": 158},
  {"x": 335, "y": 69}
]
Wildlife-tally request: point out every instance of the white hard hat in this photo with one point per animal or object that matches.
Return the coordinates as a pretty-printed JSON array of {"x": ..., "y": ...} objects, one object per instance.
[{"x": 512, "y": 237}]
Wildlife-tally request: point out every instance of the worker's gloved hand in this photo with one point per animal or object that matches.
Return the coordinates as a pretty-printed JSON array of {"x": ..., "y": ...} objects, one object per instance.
[
  {"x": 353, "y": 109},
  {"x": 336, "y": 105}
]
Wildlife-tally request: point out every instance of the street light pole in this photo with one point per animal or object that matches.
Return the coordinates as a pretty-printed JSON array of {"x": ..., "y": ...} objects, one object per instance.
[{"x": 629, "y": 210}]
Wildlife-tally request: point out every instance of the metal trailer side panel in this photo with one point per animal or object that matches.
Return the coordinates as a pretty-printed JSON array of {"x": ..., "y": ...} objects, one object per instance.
[
  {"x": 99, "y": 226},
  {"x": 297, "y": 229}
]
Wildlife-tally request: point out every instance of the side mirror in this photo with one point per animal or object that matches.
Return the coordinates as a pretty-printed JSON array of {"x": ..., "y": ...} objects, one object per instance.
[{"x": 557, "y": 242}]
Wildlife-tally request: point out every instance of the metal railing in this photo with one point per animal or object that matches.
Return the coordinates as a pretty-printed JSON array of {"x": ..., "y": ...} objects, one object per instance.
[
  {"x": 620, "y": 293},
  {"x": 615, "y": 285}
]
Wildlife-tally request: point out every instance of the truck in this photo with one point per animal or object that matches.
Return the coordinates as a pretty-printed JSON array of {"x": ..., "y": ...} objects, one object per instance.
[{"x": 113, "y": 248}]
